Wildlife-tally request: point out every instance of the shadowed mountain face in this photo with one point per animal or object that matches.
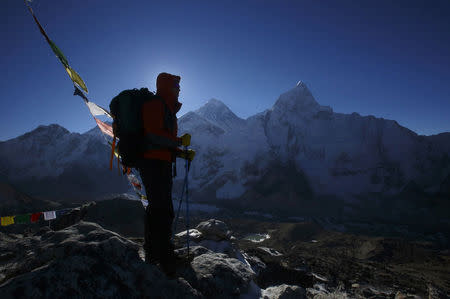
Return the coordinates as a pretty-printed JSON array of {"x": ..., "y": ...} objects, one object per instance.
[{"x": 290, "y": 156}]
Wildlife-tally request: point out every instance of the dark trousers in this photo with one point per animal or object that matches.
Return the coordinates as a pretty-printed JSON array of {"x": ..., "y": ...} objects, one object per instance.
[{"x": 157, "y": 178}]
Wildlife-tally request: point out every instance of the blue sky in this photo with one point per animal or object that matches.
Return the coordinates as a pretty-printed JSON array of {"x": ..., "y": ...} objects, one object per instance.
[{"x": 389, "y": 59}]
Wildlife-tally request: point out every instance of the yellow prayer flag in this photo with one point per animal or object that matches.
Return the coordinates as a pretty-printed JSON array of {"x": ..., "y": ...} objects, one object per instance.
[
  {"x": 8, "y": 220},
  {"x": 76, "y": 78}
]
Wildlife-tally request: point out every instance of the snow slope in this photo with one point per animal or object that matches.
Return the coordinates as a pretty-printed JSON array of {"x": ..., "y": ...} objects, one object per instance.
[{"x": 340, "y": 154}]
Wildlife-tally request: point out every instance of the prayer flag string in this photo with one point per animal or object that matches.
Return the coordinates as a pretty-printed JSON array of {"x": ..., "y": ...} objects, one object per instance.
[
  {"x": 94, "y": 109},
  {"x": 32, "y": 217}
]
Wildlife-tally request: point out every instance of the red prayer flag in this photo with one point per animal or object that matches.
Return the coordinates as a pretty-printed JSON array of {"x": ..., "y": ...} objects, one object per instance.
[
  {"x": 35, "y": 216},
  {"x": 104, "y": 127},
  {"x": 137, "y": 185}
]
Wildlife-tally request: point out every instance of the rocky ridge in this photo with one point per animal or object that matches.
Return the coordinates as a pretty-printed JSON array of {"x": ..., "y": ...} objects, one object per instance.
[
  {"x": 77, "y": 258},
  {"x": 86, "y": 260}
]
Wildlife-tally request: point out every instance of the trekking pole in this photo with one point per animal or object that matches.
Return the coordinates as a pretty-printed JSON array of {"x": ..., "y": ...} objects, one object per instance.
[
  {"x": 179, "y": 208},
  {"x": 187, "y": 203},
  {"x": 179, "y": 204}
]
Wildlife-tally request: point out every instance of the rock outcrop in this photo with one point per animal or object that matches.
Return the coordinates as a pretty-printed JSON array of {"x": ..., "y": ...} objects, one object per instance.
[
  {"x": 284, "y": 291},
  {"x": 82, "y": 259},
  {"x": 76, "y": 258}
]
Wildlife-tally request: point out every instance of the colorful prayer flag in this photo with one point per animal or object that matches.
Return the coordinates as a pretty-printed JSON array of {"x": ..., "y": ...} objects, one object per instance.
[
  {"x": 35, "y": 216},
  {"x": 104, "y": 127},
  {"x": 144, "y": 203},
  {"x": 137, "y": 185},
  {"x": 49, "y": 215},
  {"x": 134, "y": 181},
  {"x": 39, "y": 25},
  {"x": 78, "y": 82},
  {"x": 22, "y": 219},
  {"x": 97, "y": 110},
  {"x": 7, "y": 220},
  {"x": 59, "y": 54},
  {"x": 76, "y": 78}
]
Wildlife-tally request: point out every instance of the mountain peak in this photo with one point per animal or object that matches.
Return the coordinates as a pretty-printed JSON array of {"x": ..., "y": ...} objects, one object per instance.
[
  {"x": 301, "y": 87},
  {"x": 51, "y": 127},
  {"x": 301, "y": 84},
  {"x": 214, "y": 103},
  {"x": 216, "y": 111},
  {"x": 47, "y": 130},
  {"x": 298, "y": 98}
]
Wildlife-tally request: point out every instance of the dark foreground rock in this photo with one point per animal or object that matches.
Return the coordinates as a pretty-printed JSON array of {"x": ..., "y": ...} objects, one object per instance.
[
  {"x": 84, "y": 261},
  {"x": 79, "y": 259},
  {"x": 220, "y": 276}
]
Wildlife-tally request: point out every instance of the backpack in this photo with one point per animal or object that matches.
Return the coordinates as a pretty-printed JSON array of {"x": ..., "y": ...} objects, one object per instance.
[{"x": 126, "y": 109}]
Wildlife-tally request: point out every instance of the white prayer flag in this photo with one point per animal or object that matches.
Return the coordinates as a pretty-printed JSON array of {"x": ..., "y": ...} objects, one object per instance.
[
  {"x": 144, "y": 203},
  {"x": 97, "y": 110},
  {"x": 49, "y": 215}
]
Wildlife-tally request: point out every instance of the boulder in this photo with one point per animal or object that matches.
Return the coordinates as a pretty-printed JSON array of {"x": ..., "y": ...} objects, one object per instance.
[
  {"x": 219, "y": 276},
  {"x": 284, "y": 291},
  {"x": 180, "y": 239},
  {"x": 212, "y": 234},
  {"x": 255, "y": 263},
  {"x": 215, "y": 230}
]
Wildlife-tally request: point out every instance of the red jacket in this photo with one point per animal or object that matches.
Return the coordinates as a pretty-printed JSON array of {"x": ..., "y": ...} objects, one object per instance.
[{"x": 160, "y": 121}]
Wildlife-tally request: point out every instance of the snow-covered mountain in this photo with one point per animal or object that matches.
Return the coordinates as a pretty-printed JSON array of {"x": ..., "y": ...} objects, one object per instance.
[
  {"x": 336, "y": 154},
  {"x": 295, "y": 151},
  {"x": 51, "y": 162}
]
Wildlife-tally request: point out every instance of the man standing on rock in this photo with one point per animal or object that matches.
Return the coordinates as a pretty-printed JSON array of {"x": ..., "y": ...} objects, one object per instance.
[{"x": 161, "y": 150}]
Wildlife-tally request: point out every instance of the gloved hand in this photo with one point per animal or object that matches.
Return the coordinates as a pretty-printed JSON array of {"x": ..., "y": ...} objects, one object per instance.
[
  {"x": 188, "y": 155},
  {"x": 185, "y": 140}
]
